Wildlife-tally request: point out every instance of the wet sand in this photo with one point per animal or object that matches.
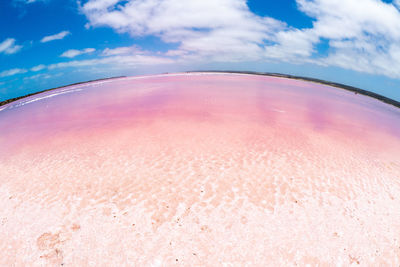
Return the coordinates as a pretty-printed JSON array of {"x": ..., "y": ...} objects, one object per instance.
[{"x": 199, "y": 169}]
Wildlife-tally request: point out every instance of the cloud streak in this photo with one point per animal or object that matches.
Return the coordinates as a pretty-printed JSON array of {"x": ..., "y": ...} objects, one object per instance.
[
  {"x": 38, "y": 68},
  {"x": 114, "y": 61},
  {"x": 120, "y": 58},
  {"x": 11, "y": 72},
  {"x": 130, "y": 61},
  {"x": 29, "y": 1},
  {"x": 58, "y": 36},
  {"x": 126, "y": 50},
  {"x": 8, "y": 46},
  {"x": 73, "y": 52}
]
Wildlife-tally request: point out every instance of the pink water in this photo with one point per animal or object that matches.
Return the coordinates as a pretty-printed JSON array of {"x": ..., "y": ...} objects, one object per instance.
[{"x": 199, "y": 169}]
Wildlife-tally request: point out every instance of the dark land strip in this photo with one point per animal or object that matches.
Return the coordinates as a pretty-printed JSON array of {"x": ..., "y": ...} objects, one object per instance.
[{"x": 333, "y": 84}]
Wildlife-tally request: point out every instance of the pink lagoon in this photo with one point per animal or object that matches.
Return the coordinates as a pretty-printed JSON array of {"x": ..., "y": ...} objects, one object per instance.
[{"x": 199, "y": 169}]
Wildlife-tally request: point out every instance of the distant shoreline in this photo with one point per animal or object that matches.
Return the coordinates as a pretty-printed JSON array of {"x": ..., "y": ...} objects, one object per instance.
[
  {"x": 7, "y": 101},
  {"x": 356, "y": 90}
]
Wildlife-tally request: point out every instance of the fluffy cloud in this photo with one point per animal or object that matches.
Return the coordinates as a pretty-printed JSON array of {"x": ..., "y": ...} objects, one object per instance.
[
  {"x": 8, "y": 46},
  {"x": 73, "y": 52},
  {"x": 363, "y": 35},
  {"x": 11, "y": 72},
  {"x": 223, "y": 29},
  {"x": 58, "y": 36}
]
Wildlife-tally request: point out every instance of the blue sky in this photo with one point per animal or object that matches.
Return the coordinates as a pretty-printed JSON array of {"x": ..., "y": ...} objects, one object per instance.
[{"x": 50, "y": 43}]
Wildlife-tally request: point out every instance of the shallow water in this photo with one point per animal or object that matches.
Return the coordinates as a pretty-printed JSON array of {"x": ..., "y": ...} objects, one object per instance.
[{"x": 199, "y": 169}]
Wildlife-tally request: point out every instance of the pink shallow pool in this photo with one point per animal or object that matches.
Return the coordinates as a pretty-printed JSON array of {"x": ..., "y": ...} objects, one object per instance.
[{"x": 200, "y": 169}]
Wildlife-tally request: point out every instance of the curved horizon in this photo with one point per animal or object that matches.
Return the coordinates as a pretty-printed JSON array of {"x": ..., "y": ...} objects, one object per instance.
[{"x": 360, "y": 91}]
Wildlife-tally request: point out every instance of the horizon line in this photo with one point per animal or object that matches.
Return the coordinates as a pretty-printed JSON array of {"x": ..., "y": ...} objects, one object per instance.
[{"x": 356, "y": 90}]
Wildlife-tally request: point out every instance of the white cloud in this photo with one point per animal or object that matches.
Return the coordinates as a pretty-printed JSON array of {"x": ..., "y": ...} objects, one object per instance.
[
  {"x": 8, "y": 46},
  {"x": 126, "y": 50},
  {"x": 224, "y": 29},
  {"x": 38, "y": 67},
  {"x": 40, "y": 76},
  {"x": 29, "y": 1},
  {"x": 58, "y": 36},
  {"x": 396, "y": 3},
  {"x": 73, "y": 52},
  {"x": 11, "y": 72},
  {"x": 363, "y": 35},
  {"x": 114, "y": 61}
]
